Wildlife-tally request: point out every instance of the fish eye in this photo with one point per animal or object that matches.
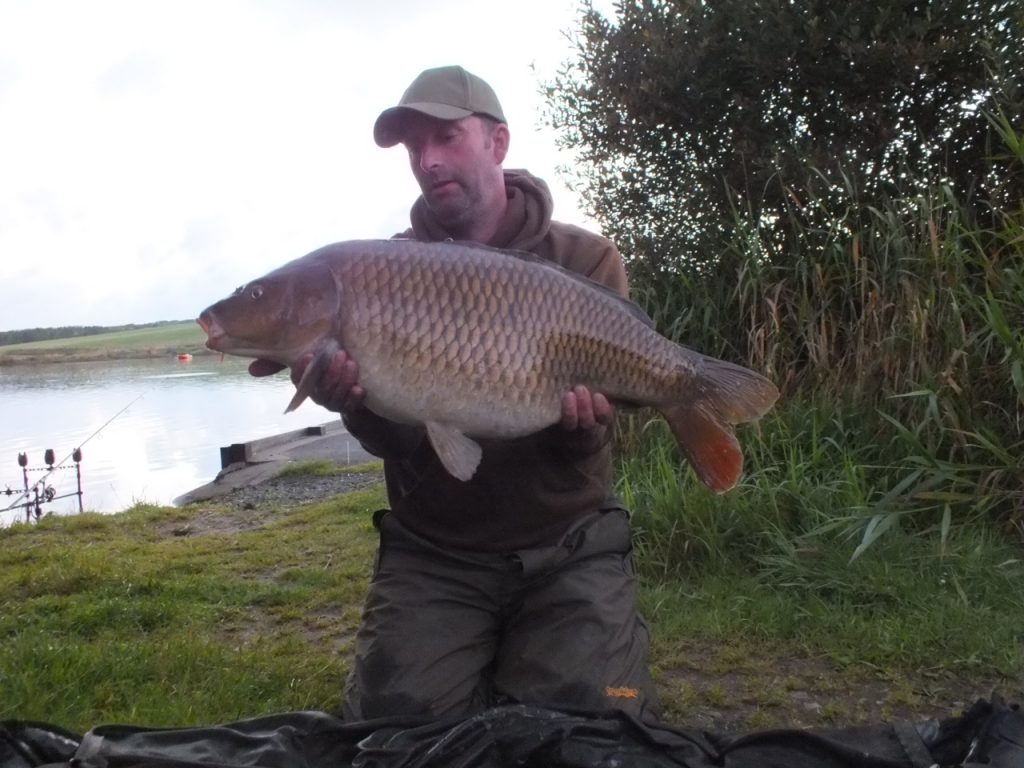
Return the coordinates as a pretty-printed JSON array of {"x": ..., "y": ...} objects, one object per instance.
[{"x": 256, "y": 291}]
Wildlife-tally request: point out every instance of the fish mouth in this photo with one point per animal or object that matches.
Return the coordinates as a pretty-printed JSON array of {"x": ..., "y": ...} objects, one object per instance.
[{"x": 214, "y": 333}]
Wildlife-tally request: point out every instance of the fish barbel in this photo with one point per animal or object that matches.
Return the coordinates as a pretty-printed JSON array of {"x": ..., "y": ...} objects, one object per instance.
[{"x": 475, "y": 342}]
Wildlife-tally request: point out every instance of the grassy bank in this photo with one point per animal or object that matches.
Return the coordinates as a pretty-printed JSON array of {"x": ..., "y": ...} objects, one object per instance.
[
  {"x": 159, "y": 341},
  {"x": 127, "y": 618},
  {"x": 164, "y": 616}
]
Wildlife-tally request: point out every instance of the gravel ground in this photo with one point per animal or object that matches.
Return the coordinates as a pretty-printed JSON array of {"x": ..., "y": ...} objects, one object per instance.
[
  {"x": 252, "y": 506},
  {"x": 292, "y": 491}
]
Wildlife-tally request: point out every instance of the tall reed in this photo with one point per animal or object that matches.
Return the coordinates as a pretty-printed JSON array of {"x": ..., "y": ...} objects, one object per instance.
[{"x": 895, "y": 329}]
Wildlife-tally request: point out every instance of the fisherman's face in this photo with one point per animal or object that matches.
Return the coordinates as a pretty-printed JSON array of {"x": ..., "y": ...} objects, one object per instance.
[{"x": 455, "y": 162}]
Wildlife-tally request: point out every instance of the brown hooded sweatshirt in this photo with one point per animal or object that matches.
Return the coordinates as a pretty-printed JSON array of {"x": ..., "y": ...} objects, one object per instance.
[{"x": 528, "y": 491}]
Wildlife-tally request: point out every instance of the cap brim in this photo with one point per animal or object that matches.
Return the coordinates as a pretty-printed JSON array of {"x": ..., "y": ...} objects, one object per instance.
[{"x": 390, "y": 126}]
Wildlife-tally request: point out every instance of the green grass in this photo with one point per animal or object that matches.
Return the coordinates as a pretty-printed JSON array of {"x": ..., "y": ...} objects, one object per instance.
[
  {"x": 207, "y": 614},
  {"x": 325, "y": 468},
  {"x": 169, "y": 338},
  {"x": 119, "y": 618},
  {"x": 781, "y": 558},
  {"x": 899, "y": 614}
]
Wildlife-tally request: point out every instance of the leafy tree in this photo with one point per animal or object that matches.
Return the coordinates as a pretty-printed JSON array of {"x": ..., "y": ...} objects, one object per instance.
[
  {"x": 832, "y": 193},
  {"x": 681, "y": 112}
]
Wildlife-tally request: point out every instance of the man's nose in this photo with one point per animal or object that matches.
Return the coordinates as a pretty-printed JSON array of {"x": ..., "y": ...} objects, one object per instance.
[{"x": 430, "y": 157}]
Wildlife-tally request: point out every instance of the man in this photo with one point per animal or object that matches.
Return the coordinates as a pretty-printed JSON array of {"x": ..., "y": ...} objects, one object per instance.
[{"x": 516, "y": 585}]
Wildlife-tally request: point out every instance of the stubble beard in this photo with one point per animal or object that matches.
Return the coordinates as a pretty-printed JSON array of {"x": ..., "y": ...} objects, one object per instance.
[{"x": 457, "y": 214}]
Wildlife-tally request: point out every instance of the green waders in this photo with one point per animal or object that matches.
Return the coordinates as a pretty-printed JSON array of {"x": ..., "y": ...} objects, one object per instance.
[{"x": 447, "y": 632}]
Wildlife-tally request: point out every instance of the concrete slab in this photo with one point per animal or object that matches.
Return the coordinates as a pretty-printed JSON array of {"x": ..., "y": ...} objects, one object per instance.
[{"x": 249, "y": 463}]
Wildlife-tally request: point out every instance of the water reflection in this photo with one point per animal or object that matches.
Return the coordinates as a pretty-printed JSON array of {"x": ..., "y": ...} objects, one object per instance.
[{"x": 150, "y": 430}]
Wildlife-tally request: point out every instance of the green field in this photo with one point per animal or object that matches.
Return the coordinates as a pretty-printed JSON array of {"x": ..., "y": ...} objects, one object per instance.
[{"x": 156, "y": 341}]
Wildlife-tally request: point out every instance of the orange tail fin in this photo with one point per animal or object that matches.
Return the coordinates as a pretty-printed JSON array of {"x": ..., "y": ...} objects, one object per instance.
[{"x": 713, "y": 397}]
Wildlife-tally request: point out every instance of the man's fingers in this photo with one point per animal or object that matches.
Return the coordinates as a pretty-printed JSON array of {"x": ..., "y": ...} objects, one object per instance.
[
  {"x": 349, "y": 370},
  {"x": 332, "y": 377},
  {"x": 265, "y": 368},
  {"x": 337, "y": 388},
  {"x": 570, "y": 415},
  {"x": 351, "y": 394},
  {"x": 584, "y": 407},
  {"x": 299, "y": 367},
  {"x": 604, "y": 412}
]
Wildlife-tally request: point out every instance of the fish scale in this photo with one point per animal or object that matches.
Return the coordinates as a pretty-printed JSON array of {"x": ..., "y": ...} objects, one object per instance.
[{"x": 473, "y": 342}]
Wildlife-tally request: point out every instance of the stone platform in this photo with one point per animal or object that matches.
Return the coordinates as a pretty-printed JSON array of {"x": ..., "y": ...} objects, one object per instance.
[{"x": 253, "y": 462}]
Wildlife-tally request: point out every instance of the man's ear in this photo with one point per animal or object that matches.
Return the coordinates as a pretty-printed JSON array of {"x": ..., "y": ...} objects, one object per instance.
[{"x": 501, "y": 139}]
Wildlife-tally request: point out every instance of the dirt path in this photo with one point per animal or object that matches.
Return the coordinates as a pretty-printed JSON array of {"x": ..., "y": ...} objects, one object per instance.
[{"x": 710, "y": 692}]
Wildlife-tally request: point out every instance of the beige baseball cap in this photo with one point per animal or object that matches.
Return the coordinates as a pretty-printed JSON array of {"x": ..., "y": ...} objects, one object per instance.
[{"x": 447, "y": 93}]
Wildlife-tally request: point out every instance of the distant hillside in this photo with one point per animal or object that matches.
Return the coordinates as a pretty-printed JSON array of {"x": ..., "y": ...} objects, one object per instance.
[
  {"x": 71, "y": 332},
  {"x": 130, "y": 341}
]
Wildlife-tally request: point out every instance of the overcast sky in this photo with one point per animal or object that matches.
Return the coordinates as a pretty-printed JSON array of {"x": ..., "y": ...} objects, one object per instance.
[{"x": 154, "y": 154}]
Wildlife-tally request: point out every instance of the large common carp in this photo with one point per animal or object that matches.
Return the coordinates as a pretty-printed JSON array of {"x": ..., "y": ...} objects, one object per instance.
[{"x": 472, "y": 341}]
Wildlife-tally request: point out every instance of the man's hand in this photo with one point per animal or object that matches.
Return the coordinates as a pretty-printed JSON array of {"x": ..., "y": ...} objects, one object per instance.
[
  {"x": 338, "y": 388},
  {"x": 584, "y": 410},
  {"x": 265, "y": 368}
]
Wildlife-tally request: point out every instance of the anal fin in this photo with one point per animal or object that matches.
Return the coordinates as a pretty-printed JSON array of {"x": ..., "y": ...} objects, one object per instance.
[{"x": 709, "y": 443}]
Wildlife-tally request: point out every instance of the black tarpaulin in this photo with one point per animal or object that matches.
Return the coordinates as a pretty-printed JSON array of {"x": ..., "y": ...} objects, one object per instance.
[{"x": 991, "y": 734}]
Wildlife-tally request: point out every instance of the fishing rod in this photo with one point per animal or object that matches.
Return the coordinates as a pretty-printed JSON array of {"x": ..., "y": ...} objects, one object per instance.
[{"x": 21, "y": 501}]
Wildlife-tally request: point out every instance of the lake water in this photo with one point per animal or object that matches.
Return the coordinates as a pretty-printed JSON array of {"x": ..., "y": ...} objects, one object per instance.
[{"x": 149, "y": 430}]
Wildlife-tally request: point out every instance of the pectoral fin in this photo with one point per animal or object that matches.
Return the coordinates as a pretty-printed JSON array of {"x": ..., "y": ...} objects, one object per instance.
[
  {"x": 459, "y": 454},
  {"x": 311, "y": 376}
]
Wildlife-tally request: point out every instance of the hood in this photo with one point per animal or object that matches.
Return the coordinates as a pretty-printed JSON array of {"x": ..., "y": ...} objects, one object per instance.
[{"x": 527, "y": 218}]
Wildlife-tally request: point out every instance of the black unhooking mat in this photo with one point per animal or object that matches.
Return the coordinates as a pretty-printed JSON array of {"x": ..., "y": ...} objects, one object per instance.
[{"x": 990, "y": 733}]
